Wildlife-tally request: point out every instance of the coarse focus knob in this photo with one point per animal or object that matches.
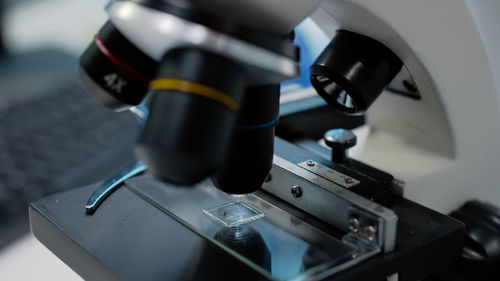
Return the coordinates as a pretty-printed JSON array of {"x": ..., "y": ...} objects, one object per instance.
[{"x": 339, "y": 140}]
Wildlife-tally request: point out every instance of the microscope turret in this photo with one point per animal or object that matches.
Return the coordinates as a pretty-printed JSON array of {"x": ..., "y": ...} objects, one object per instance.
[{"x": 201, "y": 70}]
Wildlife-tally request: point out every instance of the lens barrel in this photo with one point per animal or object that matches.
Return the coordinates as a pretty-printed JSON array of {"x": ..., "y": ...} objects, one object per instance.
[
  {"x": 251, "y": 149},
  {"x": 192, "y": 112}
]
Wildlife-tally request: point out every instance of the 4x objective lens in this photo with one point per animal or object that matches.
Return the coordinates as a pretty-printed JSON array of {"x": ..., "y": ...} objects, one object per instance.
[{"x": 114, "y": 71}]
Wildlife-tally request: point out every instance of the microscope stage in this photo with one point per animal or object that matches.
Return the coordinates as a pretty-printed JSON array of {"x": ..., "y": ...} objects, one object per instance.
[{"x": 136, "y": 236}]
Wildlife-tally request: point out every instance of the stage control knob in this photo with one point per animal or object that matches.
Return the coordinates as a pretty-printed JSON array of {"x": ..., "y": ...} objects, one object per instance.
[{"x": 339, "y": 140}]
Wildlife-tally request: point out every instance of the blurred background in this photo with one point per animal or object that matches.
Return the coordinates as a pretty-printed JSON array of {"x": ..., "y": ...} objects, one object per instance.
[{"x": 52, "y": 136}]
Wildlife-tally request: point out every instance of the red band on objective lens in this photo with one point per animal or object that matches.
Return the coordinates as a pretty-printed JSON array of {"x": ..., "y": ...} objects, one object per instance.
[{"x": 118, "y": 62}]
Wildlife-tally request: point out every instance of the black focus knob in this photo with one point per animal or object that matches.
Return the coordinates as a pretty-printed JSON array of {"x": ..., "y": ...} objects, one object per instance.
[
  {"x": 481, "y": 251},
  {"x": 339, "y": 140}
]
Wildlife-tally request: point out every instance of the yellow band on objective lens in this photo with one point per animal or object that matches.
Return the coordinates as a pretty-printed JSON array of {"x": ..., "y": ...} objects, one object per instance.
[{"x": 195, "y": 88}]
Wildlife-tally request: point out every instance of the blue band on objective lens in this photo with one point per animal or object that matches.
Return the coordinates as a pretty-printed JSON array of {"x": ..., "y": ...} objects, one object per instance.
[{"x": 258, "y": 126}]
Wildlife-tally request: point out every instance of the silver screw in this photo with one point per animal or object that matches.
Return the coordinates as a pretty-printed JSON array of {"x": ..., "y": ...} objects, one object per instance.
[
  {"x": 370, "y": 232},
  {"x": 310, "y": 163},
  {"x": 354, "y": 224},
  {"x": 296, "y": 191}
]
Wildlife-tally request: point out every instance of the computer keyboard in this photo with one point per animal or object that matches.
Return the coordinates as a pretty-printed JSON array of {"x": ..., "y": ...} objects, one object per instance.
[{"x": 59, "y": 140}]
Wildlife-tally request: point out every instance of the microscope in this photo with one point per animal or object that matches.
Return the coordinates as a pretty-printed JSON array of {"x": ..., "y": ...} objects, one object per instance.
[{"x": 235, "y": 182}]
